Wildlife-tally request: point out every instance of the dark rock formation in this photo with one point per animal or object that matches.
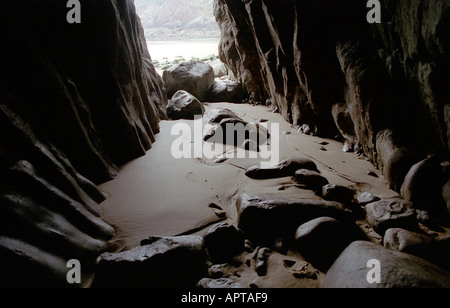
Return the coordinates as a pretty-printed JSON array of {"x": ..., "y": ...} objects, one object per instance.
[
  {"x": 382, "y": 86},
  {"x": 226, "y": 91},
  {"x": 220, "y": 283},
  {"x": 366, "y": 198},
  {"x": 397, "y": 269},
  {"x": 262, "y": 260},
  {"x": 167, "y": 262},
  {"x": 184, "y": 105},
  {"x": 264, "y": 219},
  {"x": 235, "y": 131},
  {"x": 286, "y": 167},
  {"x": 421, "y": 245},
  {"x": 223, "y": 241},
  {"x": 310, "y": 179},
  {"x": 423, "y": 186},
  {"x": 392, "y": 213},
  {"x": 342, "y": 194},
  {"x": 76, "y": 102},
  {"x": 195, "y": 77},
  {"x": 217, "y": 115},
  {"x": 446, "y": 194},
  {"x": 321, "y": 240}
]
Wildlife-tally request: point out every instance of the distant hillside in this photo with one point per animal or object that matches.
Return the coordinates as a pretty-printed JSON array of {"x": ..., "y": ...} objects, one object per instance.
[{"x": 176, "y": 19}]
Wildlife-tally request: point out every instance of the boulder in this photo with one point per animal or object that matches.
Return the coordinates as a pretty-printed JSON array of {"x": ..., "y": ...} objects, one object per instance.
[
  {"x": 339, "y": 193},
  {"x": 287, "y": 167},
  {"x": 422, "y": 186},
  {"x": 421, "y": 245},
  {"x": 218, "y": 67},
  {"x": 235, "y": 131},
  {"x": 321, "y": 240},
  {"x": 265, "y": 219},
  {"x": 214, "y": 116},
  {"x": 183, "y": 105},
  {"x": 226, "y": 91},
  {"x": 311, "y": 179},
  {"x": 397, "y": 270},
  {"x": 223, "y": 241},
  {"x": 366, "y": 198},
  {"x": 195, "y": 77},
  {"x": 391, "y": 213},
  {"x": 165, "y": 262}
]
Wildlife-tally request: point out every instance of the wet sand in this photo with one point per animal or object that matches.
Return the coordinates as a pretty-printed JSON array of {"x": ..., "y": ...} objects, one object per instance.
[{"x": 158, "y": 195}]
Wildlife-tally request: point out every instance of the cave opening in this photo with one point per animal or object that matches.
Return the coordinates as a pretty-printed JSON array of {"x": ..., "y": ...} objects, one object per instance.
[{"x": 356, "y": 112}]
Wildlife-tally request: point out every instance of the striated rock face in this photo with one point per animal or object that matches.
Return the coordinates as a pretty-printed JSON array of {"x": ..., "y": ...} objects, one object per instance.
[
  {"x": 76, "y": 102},
  {"x": 381, "y": 86}
]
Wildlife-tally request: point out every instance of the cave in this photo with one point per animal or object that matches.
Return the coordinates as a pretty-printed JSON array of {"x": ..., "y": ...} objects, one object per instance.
[{"x": 343, "y": 182}]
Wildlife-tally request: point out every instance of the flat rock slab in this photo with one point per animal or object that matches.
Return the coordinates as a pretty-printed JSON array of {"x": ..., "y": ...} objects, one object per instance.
[
  {"x": 287, "y": 167},
  {"x": 397, "y": 269},
  {"x": 263, "y": 219},
  {"x": 164, "y": 263}
]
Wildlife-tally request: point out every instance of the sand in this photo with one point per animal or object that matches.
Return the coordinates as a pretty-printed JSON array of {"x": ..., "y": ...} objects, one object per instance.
[{"x": 158, "y": 195}]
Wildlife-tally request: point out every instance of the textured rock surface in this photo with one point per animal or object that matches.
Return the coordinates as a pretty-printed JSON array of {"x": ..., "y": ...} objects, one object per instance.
[
  {"x": 398, "y": 270},
  {"x": 226, "y": 91},
  {"x": 286, "y": 167},
  {"x": 421, "y": 245},
  {"x": 184, "y": 105},
  {"x": 167, "y": 262},
  {"x": 195, "y": 77},
  {"x": 76, "y": 102},
  {"x": 264, "y": 219},
  {"x": 393, "y": 213},
  {"x": 383, "y": 86},
  {"x": 321, "y": 240},
  {"x": 223, "y": 241}
]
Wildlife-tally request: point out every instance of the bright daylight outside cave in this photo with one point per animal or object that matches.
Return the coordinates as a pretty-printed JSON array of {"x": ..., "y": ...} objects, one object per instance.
[{"x": 225, "y": 144}]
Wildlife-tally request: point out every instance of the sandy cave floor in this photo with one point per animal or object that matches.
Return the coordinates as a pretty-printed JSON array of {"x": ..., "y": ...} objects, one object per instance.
[{"x": 158, "y": 195}]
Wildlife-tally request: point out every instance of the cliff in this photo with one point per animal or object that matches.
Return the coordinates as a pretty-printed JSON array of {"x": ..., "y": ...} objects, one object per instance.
[
  {"x": 381, "y": 87},
  {"x": 76, "y": 102}
]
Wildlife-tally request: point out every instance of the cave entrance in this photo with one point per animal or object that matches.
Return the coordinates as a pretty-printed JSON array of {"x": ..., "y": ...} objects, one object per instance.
[{"x": 179, "y": 30}]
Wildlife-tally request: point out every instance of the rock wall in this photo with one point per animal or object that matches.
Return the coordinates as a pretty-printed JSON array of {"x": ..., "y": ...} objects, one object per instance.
[
  {"x": 76, "y": 102},
  {"x": 382, "y": 87}
]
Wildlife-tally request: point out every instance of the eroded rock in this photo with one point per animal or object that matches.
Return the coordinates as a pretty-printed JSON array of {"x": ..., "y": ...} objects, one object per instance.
[
  {"x": 321, "y": 240},
  {"x": 339, "y": 193},
  {"x": 223, "y": 241},
  {"x": 184, "y": 105},
  {"x": 422, "y": 185},
  {"x": 218, "y": 114},
  {"x": 287, "y": 167},
  {"x": 311, "y": 179},
  {"x": 194, "y": 77},
  {"x": 165, "y": 262},
  {"x": 391, "y": 213},
  {"x": 366, "y": 198},
  {"x": 264, "y": 219},
  {"x": 397, "y": 269},
  {"x": 219, "y": 283},
  {"x": 226, "y": 91}
]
